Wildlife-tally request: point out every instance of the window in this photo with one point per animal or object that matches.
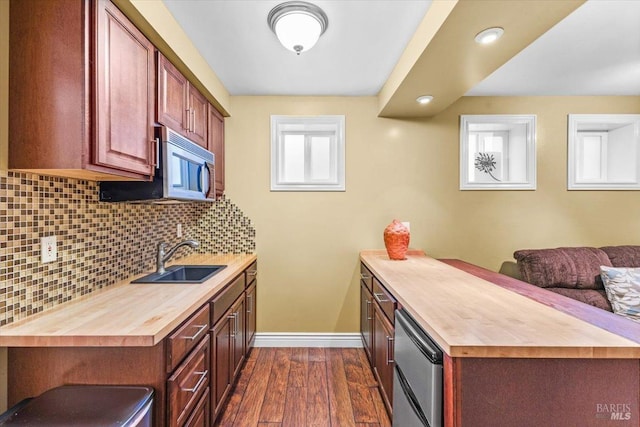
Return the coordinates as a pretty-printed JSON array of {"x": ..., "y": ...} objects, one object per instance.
[
  {"x": 497, "y": 152},
  {"x": 307, "y": 153}
]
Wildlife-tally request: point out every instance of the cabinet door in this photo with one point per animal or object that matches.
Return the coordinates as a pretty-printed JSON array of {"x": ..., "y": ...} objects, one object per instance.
[
  {"x": 221, "y": 361},
  {"x": 198, "y": 112},
  {"x": 251, "y": 317},
  {"x": 125, "y": 79},
  {"x": 366, "y": 320},
  {"x": 172, "y": 100},
  {"x": 238, "y": 336},
  {"x": 383, "y": 334},
  {"x": 216, "y": 145}
]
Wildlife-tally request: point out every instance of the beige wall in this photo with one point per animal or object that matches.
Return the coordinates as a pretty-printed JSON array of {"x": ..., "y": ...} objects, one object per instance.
[{"x": 308, "y": 243}]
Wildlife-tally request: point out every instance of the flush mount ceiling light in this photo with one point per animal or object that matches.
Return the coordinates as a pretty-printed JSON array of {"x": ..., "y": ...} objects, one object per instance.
[
  {"x": 489, "y": 35},
  {"x": 298, "y": 24},
  {"x": 424, "y": 99}
]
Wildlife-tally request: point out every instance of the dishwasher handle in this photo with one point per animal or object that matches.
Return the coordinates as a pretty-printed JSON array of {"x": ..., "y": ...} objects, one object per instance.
[{"x": 419, "y": 337}]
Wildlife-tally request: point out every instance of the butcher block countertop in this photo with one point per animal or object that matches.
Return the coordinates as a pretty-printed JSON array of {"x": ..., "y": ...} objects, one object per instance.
[
  {"x": 124, "y": 314},
  {"x": 471, "y": 317}
]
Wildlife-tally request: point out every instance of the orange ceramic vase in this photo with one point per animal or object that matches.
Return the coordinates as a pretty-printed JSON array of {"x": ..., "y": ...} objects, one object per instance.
[{"x": 396, "y": 240}]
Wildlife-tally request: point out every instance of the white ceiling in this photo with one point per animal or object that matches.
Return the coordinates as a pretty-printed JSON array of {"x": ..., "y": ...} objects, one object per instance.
[
  {"x": 355, "y": 56},
  {"x": 594, "y": 51}
]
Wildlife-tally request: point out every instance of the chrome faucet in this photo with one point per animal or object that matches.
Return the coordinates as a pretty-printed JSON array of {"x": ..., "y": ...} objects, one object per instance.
[{"x": 163, "y": 255}]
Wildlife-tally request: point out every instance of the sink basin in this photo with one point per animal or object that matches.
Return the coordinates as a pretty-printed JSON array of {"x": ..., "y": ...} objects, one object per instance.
[{"x": 182, "y": 274}]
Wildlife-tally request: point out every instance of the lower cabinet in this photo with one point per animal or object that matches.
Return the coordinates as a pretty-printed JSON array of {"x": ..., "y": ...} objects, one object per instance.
[
  {"x": 377, "y": 318},
  {"x": 250, "y": 317},
  {"x": 191, "y": 371},
  {"x": 221, "y": 362},
  {"x": 383, "y": 334}
]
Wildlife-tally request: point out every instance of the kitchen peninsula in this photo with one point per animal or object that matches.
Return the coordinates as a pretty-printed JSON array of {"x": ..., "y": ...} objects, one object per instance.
[{"x": 509, "y": 358}]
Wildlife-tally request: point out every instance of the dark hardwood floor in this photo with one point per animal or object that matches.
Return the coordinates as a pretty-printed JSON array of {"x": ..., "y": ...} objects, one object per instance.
[{"x": 299, "y": 387}]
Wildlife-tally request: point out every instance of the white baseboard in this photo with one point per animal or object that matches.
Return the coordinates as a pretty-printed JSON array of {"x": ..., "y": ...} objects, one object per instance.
[{"x": 303, "y": 339}]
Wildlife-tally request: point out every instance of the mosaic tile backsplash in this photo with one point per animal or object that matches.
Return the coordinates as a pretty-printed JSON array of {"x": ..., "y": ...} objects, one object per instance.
[{"x": 98, "y": 243}]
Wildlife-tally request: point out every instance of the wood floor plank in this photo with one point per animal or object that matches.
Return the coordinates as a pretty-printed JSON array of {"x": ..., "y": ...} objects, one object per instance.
[
  {"x": 299, "y": 367},
  {"x": 370, "y": 379},
  {"x": 317, "y": 355},
  {"x": 383, "y": 417},
  {"x": 249, "y": 410},
  {"x": 340, "y": 408},
  {"x": 364, "y": 410},
  {"x": 230, "y": 410},
  {"x": 367, "y": 424},
  {"x": 317, "y": 395},
  {"x": 274, "y": 400},
  {"x": 295, "y": 407}
]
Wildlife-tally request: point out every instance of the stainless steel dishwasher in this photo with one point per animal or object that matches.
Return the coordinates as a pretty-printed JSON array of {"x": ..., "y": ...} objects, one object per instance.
[{"x": 418, "y": 382}]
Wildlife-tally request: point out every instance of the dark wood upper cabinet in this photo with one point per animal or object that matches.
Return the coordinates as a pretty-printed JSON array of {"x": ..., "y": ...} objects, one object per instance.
[
  {"x": 180, "y": 105},
  {"x": 172, "y": 101},
  {"x": 125, "y": 76},
  {"x": 216, "y": 145},
  {"x": 198, "y": 109},
  {"x": 81, "y": 91}
]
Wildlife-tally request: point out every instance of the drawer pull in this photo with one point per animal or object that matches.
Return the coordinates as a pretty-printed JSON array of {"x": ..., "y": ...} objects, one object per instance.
[
  {"x": 249, "y": 303},
  {"x": 203, "y": 377},
  {"x": 200, "y": 329},
  {"x": 232, "y": 331},
  {"x": 379, "y": 299},
  {"x": 368, "y": 315},
  {"x": 389, "y": 351},
  {"x": 252, "y": 273},
  {"x": 364, "y": 276}
]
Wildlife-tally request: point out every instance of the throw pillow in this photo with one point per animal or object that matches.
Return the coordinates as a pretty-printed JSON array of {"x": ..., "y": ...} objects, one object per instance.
[{"x": 623, "y": 290}]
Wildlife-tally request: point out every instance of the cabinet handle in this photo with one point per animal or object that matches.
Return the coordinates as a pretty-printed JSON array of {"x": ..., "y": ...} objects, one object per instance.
[
  {"x": 253, "y": 273},
  {"x": 364, "y": 276},
  {"x": 233, "y": 330},
  {"x": 194, "y": 336},
  {"x": 377, "y": 297},
  {"x": 235, "y": 322},
  {"x": 188, "y": 120},
  {"x": 389, "y": 358},
  {"x": 193, "y": 121},
  {"x": 249, "y": 303},
  {"x": 368, "y": 315},
  {"x": 203, "y": 377}
]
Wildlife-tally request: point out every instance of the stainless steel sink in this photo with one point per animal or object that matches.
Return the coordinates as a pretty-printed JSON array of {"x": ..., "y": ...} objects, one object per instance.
[{"x": 182, "y": 274}]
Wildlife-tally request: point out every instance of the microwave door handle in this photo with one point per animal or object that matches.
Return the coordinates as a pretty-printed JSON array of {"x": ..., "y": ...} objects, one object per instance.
[{"x": 204, "y": 179}]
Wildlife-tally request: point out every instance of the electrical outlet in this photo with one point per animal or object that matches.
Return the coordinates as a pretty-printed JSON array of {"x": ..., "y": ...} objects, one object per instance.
[
  {"x": 48, "y": 250},
  {"x": 407, "y": 224},
  {"x": 179, "y": 230}
]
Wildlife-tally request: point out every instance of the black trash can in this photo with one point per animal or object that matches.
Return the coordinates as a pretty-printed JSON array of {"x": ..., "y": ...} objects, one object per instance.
[{"x": 84, "y": 405}]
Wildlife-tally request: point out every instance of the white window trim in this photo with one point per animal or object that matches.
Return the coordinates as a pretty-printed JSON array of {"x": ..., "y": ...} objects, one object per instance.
[{"x": 337, "y": 153}]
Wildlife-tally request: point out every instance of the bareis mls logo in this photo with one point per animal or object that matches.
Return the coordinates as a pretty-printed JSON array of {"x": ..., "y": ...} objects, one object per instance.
[{"x": 613, "y": 411}]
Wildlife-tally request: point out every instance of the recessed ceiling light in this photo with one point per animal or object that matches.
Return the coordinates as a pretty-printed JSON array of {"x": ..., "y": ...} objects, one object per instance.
[
  {"x": 424, "y": 99},
  {"x": 489, "y": 35}
]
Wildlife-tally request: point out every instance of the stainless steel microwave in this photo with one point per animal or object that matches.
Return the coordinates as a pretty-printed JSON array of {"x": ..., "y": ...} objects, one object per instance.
[{"x": 185, "y": 172}]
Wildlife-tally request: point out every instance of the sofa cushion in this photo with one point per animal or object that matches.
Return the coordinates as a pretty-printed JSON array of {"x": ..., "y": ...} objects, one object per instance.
[
  {"x": 571, "y": 268},
  {"x": 623, "y": 290},
  {"x": 596, "y": 298},
  {"x": 623, "y": 256}
]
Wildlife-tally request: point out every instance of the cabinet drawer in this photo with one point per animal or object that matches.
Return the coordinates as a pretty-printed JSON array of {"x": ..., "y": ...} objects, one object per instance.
[
  {"x": 187, "y": 384},
  {"x": 180, "y": 342},
  {"x": 384, "y": 299},
  {"x": 200, "y": 415},
  {"x": 223, "y": 301},
  {"x": 251, "y": 272},
  {"x": 366, "y": 277}
]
